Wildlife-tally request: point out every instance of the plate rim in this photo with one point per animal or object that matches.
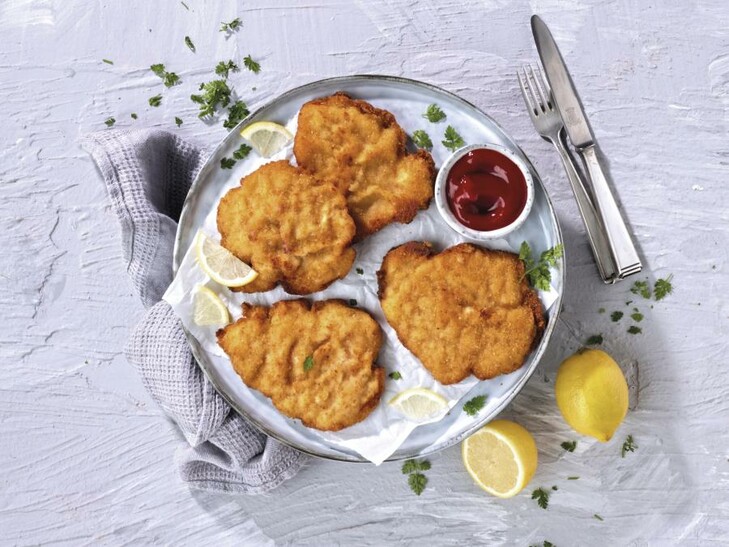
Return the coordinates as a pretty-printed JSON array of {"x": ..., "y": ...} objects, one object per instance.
[{"x": 178, "y": 254}]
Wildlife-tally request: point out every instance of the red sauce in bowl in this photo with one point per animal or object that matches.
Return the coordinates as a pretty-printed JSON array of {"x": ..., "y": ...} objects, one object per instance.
[{"x": 486, "y": 190}]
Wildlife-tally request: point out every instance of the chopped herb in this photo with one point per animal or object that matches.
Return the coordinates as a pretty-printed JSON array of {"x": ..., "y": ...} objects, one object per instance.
[
  {"x": 538, "y": 273},
  {"x": 224, "y": 69},
  {"x": 411, "y": 466},
  {"x": 434, "y": 114},
  {"x": 215, "y": 93},
  {"x": 227, "y": 163},
  {"x": 473, "y": 406},
  {"x": 251, "y": 65},
  {"x": 555, "y": 488},
  {"x": 178, "y": 121},
  {"x": 242, "y": 152},
  {"x": 352, "y": 302},
  {"x": 171, "y": 79},
  {"x": 185, "y": 6},
  {"x": 155, "y": 101},
  {"x": 634, "y": 329},
  {"x": 663, "y": 288},
  {"x": 616, "y": 316},
  {"x": 572, "y": 478},
  {"x": 548, "y": 544},
  {"x": 359, "y": 271},
  {"x": 629, "y": 302},
  {"x": 230, "y": 27},
  {"x": 453, "y": 141},
  {"x": 395, "y": 375},
  {"x": 594, "y": 340},
  {"x": 628, "y": 446},
  {"x": 134, "y": 115},
  {"x": 417, "y": 482},
  {"x": 598, "y": 517},
  {"x": 109, "y": 122},
  {"x": 642, "y": 288},
  {"x": 237, "y": 112},
  {"x": 636, "y": 316},
  {"x": 108, "y": 62},
  {"x": 542, "y": 497},
  {"x": 601, "y": 310},
  {"x": 158, "y": 69},
  {"x": 421, "y": 139},
  {"x": 569, "y": 446},
  {"x": 308, "y": 363},
  {"x": 189, "y": 44}
]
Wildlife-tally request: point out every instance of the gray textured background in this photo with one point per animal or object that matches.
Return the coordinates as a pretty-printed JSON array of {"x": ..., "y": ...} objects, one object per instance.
[{"x": 86, "y": 458}]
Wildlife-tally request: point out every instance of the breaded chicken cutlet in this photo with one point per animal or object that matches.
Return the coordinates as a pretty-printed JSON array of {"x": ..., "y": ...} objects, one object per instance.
[
  {"x": 292, "y": 228},
  {"x": 316, "y": 362},
  {"x": 361, "y": 149},
  {"x": 466, "y": 310}
]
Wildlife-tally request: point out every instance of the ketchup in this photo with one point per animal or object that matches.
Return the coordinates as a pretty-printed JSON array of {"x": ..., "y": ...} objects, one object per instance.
[{"x": 486, "y": 190}]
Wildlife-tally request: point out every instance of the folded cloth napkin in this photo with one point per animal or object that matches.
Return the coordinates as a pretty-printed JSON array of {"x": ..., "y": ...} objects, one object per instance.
[{"x": 147, "y": 174}]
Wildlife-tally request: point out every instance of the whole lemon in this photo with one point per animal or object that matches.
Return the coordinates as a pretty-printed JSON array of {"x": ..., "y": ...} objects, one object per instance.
[{"x": 592, "y": 394}]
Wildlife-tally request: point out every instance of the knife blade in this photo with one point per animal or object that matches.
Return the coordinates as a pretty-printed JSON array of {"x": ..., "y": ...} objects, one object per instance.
[{"x": 578, "y": 129}]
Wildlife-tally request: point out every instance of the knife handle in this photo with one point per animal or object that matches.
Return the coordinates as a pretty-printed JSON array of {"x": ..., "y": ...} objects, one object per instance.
[
  {"x": 626, "y": 257},
  {"x": 598, "y": 241}
]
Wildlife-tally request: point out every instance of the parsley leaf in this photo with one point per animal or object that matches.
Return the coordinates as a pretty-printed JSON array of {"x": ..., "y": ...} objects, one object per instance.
[
  {"x": 542, "y": 497},
  {"x": 411, "y": 466},
  {"x": 422, "y": 140},
  {"x": 569, "y": 446},
  {"x": 601, "y": 310},
  {"x": 237, "y": 111},
  {"x": 109, "y": 122},
  {"x": 434, "y": 114},
  {"x": 155, "y": 101},
  {"x": 637, "y": 317},
  {"x": 178, "y": 121},
  {"x": 251, "y": 65},
  {"x": 234, "y": 25},
  {"x": 453, "y": 141},
  {"x": 242, "y": 152},
  {"x": 215, "y": 93},
  {"x": 473, "y": 406},
  {"x": 352, "y": 302},
  {"x": 663, "y": 288},
  {"x": 594, "y": 340},
  {"x": 360, "y": 271},
  {"x": 634, "y": 329},
  {"x": 171, "y": 79},
  {"x": 628, "y": 446},
  {"x": 108, "y": 62},
  {"x": 189, "y": 44},
  {"x": 133, "y": 115},
  {"x": 227, "y": 163},
  {"x": 225, "y": 68},
  {"x": 395, "y": 375},
  {"x": 417, "y": 482},
  {"x": 642, "y": 288},
  {"x": 538, "y": 273},
  {"x": 598, "y": 517},
  {"x": 572, "y": 478},
  {"x": 616, "y": 316},
  {"x": 158, "y": 69},
  {"x": 308, "y": 363}
]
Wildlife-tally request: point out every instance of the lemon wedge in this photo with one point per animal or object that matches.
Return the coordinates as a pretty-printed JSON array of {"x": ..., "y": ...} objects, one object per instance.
[
  {"x": 220, "y": 264},
  {"x": 592, "y": 394},
  {"x": 266, "y": 138},
  {"x": 208, "y": 309},
  {"x": 501, "y": 458},
  {"x": 419, "y": 404}
]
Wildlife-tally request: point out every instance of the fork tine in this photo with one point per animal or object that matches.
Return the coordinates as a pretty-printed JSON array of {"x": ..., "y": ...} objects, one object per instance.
[
  {"x": 537, "y": 84},
  {"x": 526, "y": 93}
]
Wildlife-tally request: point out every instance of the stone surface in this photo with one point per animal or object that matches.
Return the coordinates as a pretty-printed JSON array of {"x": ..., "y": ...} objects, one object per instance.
[{"x": 86, "y": 458}]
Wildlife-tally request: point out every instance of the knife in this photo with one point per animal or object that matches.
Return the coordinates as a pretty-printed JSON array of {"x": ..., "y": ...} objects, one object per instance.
[{"x": 578, "y": 129}]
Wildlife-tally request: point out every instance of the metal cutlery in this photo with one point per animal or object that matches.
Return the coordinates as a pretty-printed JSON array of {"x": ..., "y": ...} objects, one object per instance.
[
  {"x": 548, "y": 123},
  {"x": 568, "y": 104}
]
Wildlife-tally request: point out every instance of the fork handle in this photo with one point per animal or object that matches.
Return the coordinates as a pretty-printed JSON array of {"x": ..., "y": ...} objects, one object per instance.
[
  {"x": 598, "y": 241},
  {"x": 626, "y": 257}
]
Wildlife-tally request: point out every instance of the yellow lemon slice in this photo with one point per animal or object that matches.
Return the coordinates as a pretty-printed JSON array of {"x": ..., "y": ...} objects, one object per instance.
[
  {"x": 501, "y": 458},
  {"x": 592, "y": 394},
  {"x": 266, "y": 138},
  {"x": 208, "y": 309},
  {"x": 220, "y": 264},
  {"x": 419, "y": 404}
]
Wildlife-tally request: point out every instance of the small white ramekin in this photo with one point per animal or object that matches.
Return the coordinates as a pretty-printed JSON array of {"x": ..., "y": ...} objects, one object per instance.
[{"x": 441, "y": 199}]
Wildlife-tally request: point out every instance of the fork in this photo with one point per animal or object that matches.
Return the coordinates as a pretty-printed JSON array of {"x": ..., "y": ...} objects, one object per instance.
[{"x": 548, "y": 123}]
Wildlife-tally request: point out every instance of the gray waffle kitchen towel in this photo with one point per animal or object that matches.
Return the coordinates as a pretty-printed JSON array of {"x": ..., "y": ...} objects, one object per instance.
[{"x": 147, "y": 174}]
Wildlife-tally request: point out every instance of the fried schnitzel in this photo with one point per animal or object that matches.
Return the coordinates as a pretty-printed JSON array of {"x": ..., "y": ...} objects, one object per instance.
[
  {"x": 316, "y": 362},
  {"x": 290, "y": 227},
  {"x": 466, "y": 310},
  {"x": 361, "y": 149}
]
